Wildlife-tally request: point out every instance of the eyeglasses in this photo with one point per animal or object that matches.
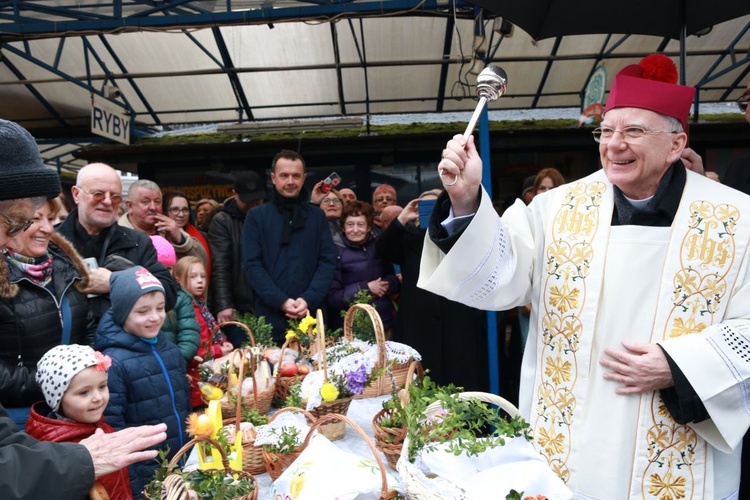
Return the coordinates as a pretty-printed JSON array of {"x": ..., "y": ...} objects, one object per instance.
[
  {"x": 742, "y": 102},
  {"x": 15, "y": 227},
  {"x": 357, "y": 225},
  {"x": 604, "y": 134},
  {"x": 99, "y": 196},
  {"x": 330, "y": 201},
  {"x": 179, "y": 210},
  {"x": 385, "y": 198}
]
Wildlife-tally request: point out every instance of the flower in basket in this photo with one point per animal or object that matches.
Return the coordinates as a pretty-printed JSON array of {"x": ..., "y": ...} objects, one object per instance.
[
  {"x": 349, "y": 372},
  {"x": 200, "y": 425}
]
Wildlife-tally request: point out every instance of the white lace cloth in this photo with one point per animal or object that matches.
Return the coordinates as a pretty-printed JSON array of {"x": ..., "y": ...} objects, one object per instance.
[
  {"x": 394, "y": 351},
  {"x": 362, "y": 353},
  {"x": 271, "y": 432}
]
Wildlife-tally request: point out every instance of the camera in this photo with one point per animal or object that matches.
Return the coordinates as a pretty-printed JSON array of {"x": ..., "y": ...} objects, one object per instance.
[{"x": 112, "y": 92}]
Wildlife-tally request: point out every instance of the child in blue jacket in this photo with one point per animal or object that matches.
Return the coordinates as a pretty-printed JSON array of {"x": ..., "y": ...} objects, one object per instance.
[{"x": 147, "y": 382}]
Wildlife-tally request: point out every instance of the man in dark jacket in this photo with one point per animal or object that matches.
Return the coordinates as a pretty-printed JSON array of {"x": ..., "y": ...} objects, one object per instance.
[
  {"x": 289, "y": 253},
  {"x": 92, "y": 228},
  {"x": 737, "y": 174},
  {"x": 33, "y": 469},
  {"x": 230, "y": 290}
]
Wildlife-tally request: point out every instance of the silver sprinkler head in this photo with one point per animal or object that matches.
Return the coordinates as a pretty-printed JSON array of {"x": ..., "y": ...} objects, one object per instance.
[{"x": 491, "y": 83}]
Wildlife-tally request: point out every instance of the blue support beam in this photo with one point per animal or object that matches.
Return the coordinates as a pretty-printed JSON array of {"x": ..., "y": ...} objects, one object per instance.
[{"x": 25, "y": 26}]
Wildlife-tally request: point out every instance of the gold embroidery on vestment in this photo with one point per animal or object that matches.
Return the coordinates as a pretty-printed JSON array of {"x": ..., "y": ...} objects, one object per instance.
[
  {"x": 707, "y": 253},
  {"x": 568, "y": 260}
]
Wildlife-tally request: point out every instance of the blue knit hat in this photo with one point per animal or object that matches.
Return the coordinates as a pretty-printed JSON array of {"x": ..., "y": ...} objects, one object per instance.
[
  {"x": 126, "y": 287},
  {"x": 22, "y": 171}
]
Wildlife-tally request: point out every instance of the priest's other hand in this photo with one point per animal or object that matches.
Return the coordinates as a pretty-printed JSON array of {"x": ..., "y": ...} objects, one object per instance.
[
  {"x": 111, "y": 452},
  {"x": 639, "y": 368},
  {"x": 460, "y": 170}
]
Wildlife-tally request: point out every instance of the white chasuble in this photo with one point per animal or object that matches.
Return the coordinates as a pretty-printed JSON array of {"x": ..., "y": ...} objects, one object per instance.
[{"x": 595, "y": 285}]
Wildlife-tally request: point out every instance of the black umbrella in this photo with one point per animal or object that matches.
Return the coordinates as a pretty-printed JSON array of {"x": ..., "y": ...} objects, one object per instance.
[{"x": 668, "y": 18}]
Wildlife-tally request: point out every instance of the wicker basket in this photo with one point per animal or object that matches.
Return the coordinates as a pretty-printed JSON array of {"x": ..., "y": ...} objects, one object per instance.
[
  {"x": 282, "y": 385},
  {"x": 393, "y": 378},
  {"x": 252, "y": 456},
  {"x": 276, "y": 463},
  {"x": 336, "y": 418},
  {"x": 390, "y": 440},
  {"x": 332, "y": 430},
  {"x": 259, "y": 399},
  {"x": 225, "y": 462},
  {"x": 416, "y": 483}
]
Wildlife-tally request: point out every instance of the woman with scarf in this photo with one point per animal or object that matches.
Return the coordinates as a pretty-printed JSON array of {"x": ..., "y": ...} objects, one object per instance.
[{"x": 41, "y": 306}]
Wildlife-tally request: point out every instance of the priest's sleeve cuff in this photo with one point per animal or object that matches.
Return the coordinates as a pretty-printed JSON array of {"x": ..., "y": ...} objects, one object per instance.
[{"x": 681, "y": 400}]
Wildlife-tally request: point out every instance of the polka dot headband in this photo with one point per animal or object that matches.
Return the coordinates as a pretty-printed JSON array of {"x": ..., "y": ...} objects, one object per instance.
[{"x": 60, "y": 364}]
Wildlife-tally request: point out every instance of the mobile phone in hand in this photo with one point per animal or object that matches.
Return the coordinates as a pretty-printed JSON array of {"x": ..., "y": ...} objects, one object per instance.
[
  {"x": 425, "y": 210},
  {"x": 330, "y": 182}
]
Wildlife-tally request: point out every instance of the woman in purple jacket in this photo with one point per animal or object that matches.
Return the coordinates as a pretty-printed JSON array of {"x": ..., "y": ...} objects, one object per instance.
[{"x": 359, "y": 268}]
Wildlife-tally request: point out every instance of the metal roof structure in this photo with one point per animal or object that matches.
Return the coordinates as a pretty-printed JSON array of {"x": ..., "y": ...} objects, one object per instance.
[{"x": 173, "y": 64}]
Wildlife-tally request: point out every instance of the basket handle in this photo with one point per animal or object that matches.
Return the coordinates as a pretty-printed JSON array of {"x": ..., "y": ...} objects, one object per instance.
[
  {"x": 331, "y": 417},
  {"x": 320, "y": 339},
  {"x": 247, "y": 329},
  {"x": 199, "y": 439},
  {"x": 294, "y": 409},
  {"x": 377, "y": 323},
  {"x": 281, "y": 356},
  {"x": 415, "y": 367},
  {"x": 240, "y": 379},
  {"x": 485, "y": 397}
]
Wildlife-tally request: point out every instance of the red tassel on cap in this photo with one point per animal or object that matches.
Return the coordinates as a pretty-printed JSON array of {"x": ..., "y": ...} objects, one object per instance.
[{"x": 659, "y": 67}]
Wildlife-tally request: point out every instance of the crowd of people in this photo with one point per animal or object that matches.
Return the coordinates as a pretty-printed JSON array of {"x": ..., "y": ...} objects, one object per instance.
[
  {"x": 632, "y": 282},
  {"x": 133, "y": 279}
]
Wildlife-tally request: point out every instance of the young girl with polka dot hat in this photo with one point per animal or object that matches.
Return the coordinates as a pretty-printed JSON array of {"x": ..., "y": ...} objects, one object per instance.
[{"x": 73, "y": 379}]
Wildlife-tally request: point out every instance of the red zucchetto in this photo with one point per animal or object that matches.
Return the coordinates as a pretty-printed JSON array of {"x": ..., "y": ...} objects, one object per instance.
[{"x": 652, "y": 84}]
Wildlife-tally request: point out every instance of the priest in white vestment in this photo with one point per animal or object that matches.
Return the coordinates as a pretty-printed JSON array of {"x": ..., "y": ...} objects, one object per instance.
[{"x": 635, "y": 375}]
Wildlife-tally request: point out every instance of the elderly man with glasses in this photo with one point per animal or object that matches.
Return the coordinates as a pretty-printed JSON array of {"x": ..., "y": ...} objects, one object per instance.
[
  {"x": 92, "y": 228},
  {"x": 638, "y": 277}
]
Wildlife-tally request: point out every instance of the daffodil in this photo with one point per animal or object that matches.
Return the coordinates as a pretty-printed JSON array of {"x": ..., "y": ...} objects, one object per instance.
[
  {"x": 329, "y": 392},
  {"x": 199, "y": 425},
  {"x": 291, "y": 334},
  {"x": 307, "y": 322}
]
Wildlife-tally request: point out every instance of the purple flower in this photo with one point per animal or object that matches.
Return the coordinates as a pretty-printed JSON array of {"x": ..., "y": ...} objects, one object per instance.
[{"x": 356, "y": 380}]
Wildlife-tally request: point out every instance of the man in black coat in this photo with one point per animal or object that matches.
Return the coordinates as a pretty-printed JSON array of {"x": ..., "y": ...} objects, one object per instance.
[
  {"x": 230, "y": 289},
  {"x": 737, "y": 174},
  {"x": 738, "y": 177},
  {"x": 288, "y": 249},
  {"x": 92, "y": 228},
  {"x": 451, "y": 337}
]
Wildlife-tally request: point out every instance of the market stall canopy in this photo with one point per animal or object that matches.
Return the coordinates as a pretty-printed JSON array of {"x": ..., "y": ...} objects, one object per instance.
[{"x": 187, "y": 65}]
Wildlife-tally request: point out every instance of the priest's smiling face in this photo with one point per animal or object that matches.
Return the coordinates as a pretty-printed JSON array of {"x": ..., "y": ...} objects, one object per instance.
[{"x": 640, "y": 150}]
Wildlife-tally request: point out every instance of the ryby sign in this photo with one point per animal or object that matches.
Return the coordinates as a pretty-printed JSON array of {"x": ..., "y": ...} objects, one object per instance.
[{"x": 109, "y": 120}]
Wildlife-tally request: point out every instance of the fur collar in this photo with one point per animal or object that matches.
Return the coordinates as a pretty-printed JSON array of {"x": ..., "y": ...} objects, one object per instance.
[{"x": 9, "y": 290}]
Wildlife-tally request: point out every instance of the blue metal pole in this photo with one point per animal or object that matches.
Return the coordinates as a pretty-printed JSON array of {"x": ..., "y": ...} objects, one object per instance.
[{"x": 492, "y": 338}]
